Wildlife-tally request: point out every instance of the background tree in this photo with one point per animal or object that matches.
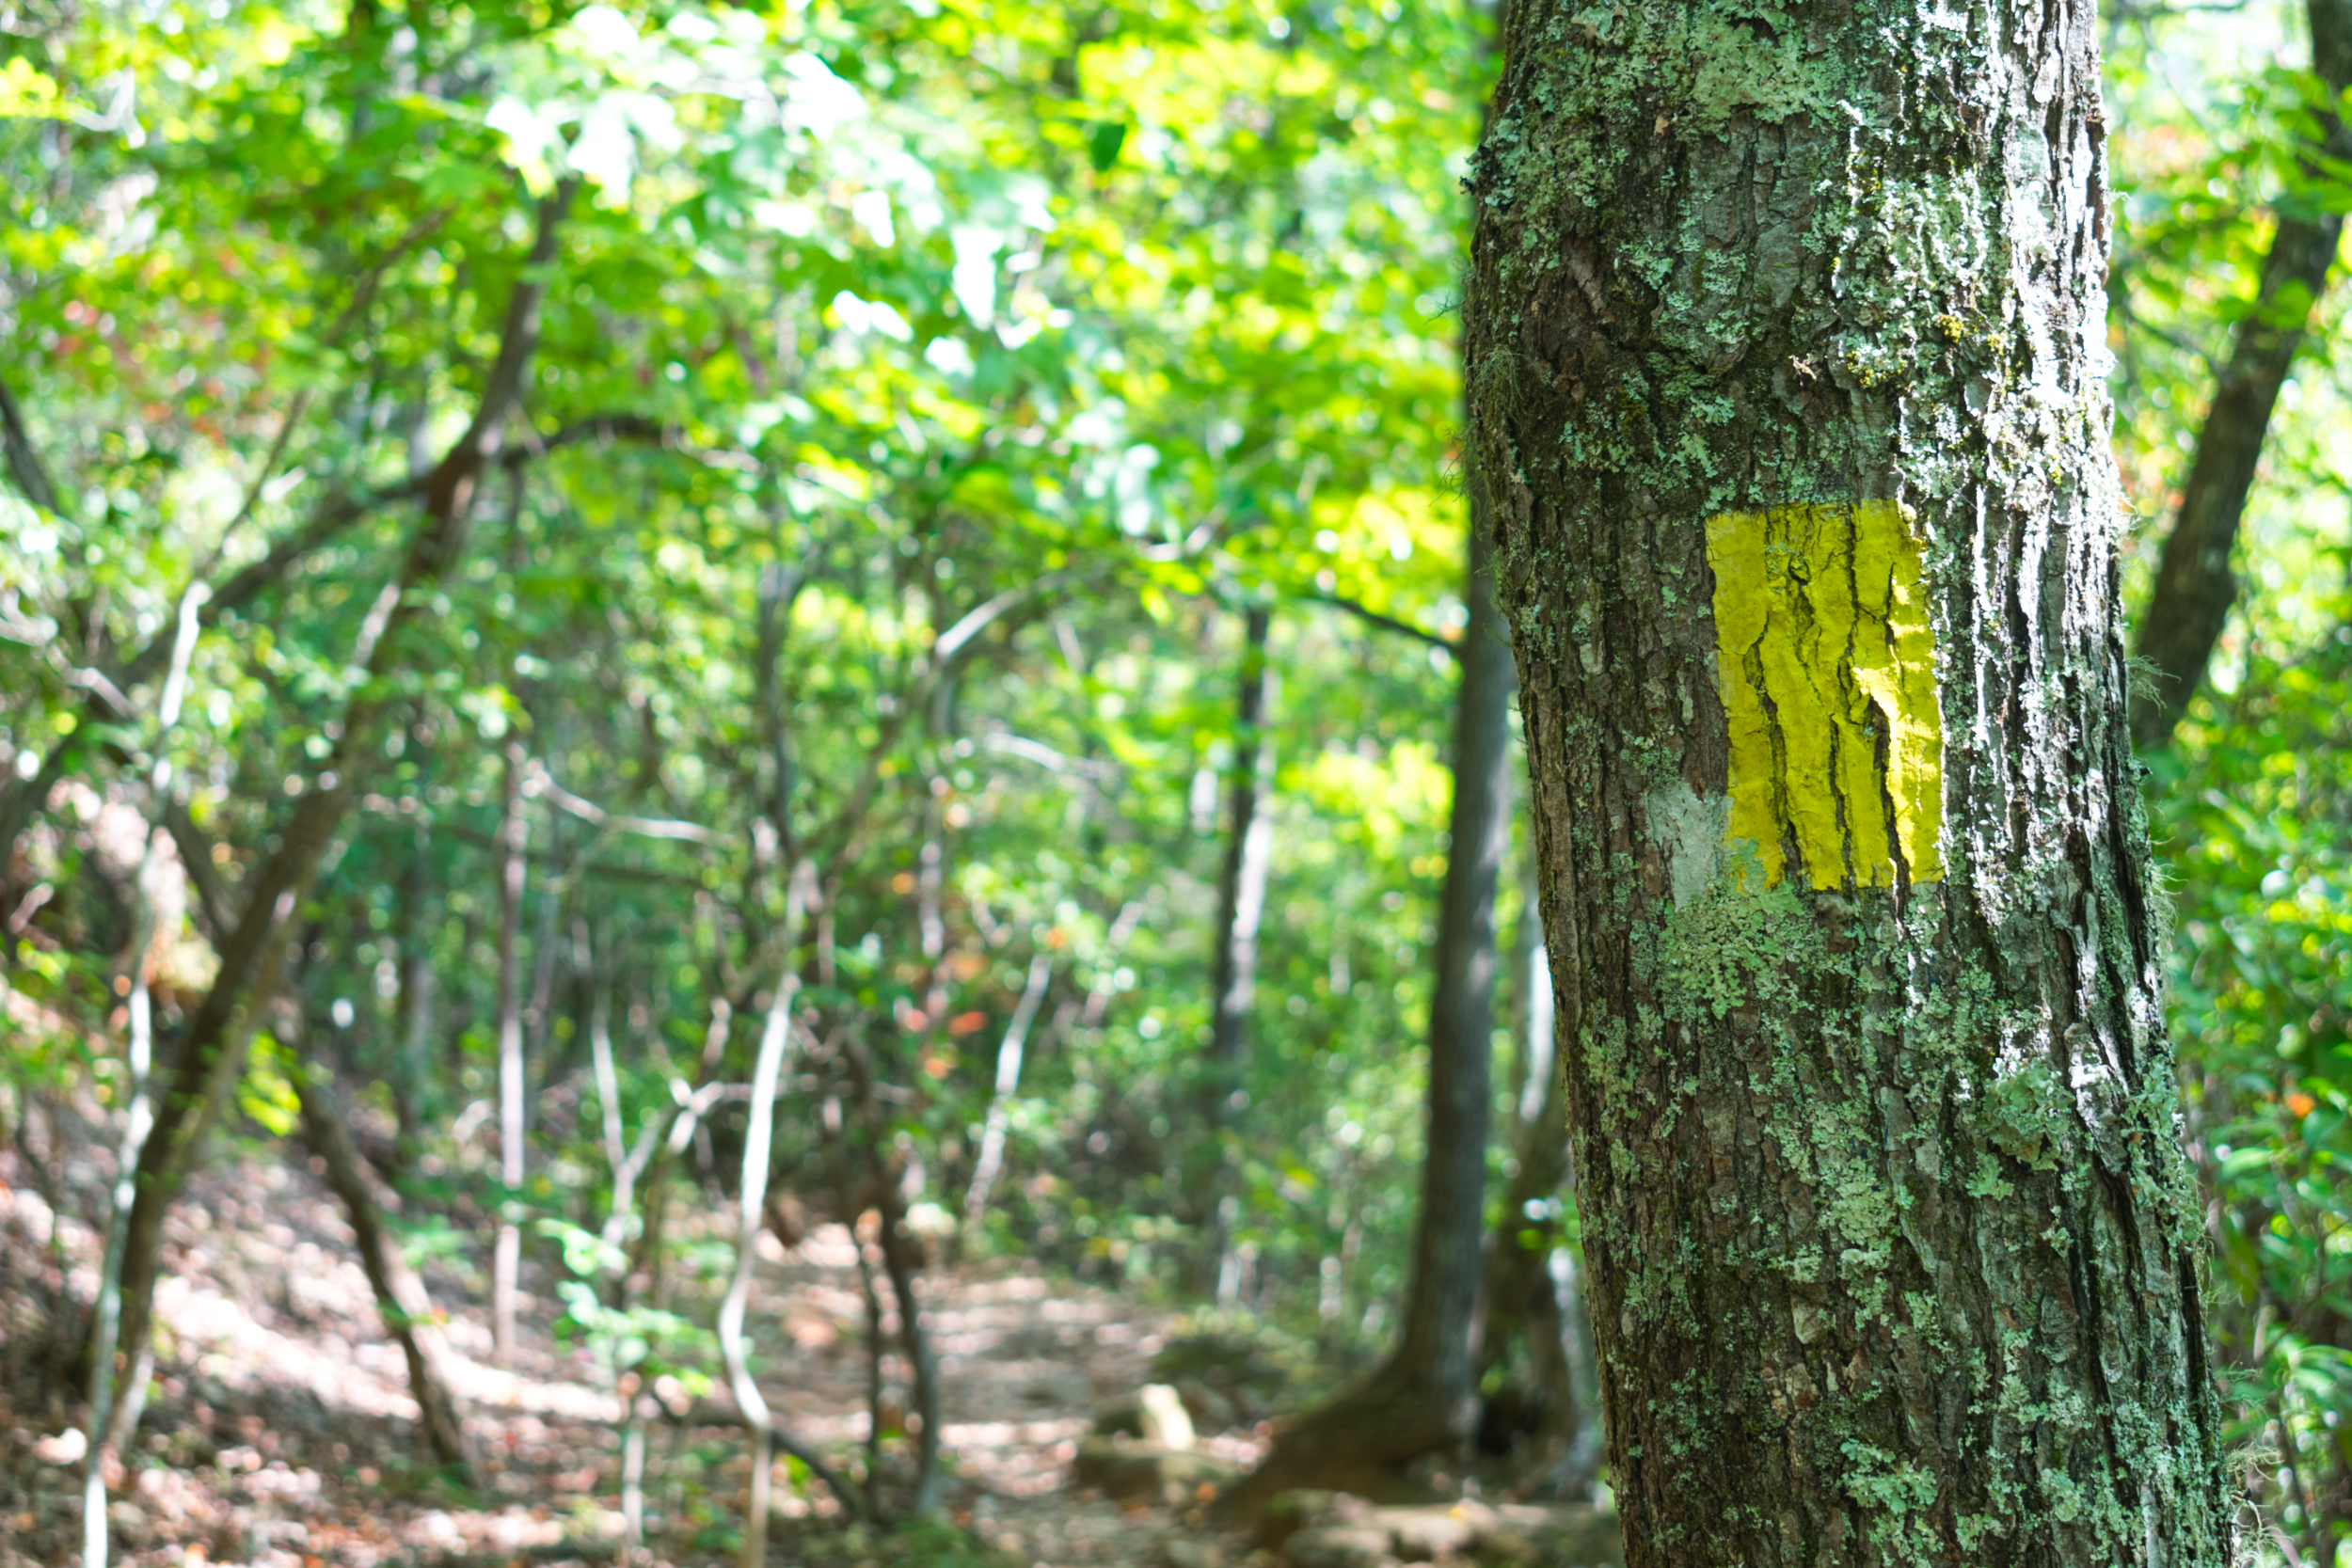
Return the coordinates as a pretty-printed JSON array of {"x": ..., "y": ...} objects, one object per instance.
[
  {"x": 1424, "y": 1398},
  {"x": 2195, "y": 582}
]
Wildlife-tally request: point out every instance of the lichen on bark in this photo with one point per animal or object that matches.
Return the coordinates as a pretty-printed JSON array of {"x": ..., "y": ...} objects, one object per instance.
[{"x": 1895, "y": 1255}]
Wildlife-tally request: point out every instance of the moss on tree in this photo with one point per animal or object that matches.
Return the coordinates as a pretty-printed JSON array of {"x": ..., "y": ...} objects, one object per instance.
[{"x": 1895, "y": 1253}]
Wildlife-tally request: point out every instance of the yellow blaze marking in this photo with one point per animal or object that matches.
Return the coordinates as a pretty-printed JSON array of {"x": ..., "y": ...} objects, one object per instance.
[{"x": 1827, "y": 663}]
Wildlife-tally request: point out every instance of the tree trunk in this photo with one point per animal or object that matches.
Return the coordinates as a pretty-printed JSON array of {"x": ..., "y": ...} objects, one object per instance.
[
  {"x": 539, "y": 1012},
  {"x": 2194, "y": 586},
  {"x": 1518, "y": 1279},
  {"x": 1784, "y": 361},
  {"x": 400, "y": 1296},
  {"x": 1242, "y": 881},
  {"x": 1240, "y": 891},
  {"x": 411, "y": 1077},
  {"x": 902, "y": 1259},
  {"x": 1008, "y": 1056},
  {"x": 734, "y": 1344},
  {"x": 1425, "y": 1398},
  {"x": 1524, "y": 1299},
  {"x": 734, "y": 1338},
  {"x": 514, "y": 831}
]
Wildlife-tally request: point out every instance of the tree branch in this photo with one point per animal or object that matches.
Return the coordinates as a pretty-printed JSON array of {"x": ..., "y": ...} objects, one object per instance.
[
  {"x": 1386, "y": 623},
  {"x": 24, "y": 465},
  {"x": 2195, "y": 587}
]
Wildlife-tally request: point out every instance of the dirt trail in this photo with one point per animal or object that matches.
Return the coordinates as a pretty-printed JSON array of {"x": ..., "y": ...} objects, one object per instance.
[{"x": 280, "y": 1431}]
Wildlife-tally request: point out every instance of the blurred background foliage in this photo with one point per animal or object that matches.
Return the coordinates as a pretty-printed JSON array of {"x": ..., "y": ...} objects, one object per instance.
[
  {"x": 2252, "y": 803},
  {"x": 1108, "y": 325},
  {"x": 1077, "y": 333}
]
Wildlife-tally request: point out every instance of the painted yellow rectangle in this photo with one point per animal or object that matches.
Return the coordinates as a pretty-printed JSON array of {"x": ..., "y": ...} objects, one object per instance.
[{"x": 1826, "y": 659}]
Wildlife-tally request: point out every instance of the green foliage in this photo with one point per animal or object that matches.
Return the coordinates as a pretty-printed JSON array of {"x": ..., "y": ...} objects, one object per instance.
[
  {"x": 869, "y": 321},
  {"x": 2250, "y": 804},
  {"x": 2264, "y": 997}
]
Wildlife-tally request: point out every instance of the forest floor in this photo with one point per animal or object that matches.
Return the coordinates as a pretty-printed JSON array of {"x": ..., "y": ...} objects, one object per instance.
[{"x": 279, "y": 1434}]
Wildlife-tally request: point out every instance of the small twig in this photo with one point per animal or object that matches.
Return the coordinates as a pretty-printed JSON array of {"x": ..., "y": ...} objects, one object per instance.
[{"x": 1386, "y": 623}]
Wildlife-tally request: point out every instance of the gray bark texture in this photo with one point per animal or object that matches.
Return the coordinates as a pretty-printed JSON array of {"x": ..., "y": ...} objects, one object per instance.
[
  {"x": 1786, "y": 371},
  {"x": 2194, "y": 585}
]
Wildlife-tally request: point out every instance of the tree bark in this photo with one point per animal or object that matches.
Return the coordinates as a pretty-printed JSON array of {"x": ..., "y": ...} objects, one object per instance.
[
  {"x": 506, "y": 1263},
  {"x": 2194, "y": 586},
  {"x": 1425, "y": 1398},
  {"x": 734, "y": 1340},
  {"x": 1785, "y": 363},
  {"x": 884, "y": 1182},
  {"x": 411, "y": 1077},
  {"x": 734, "y": 1336},
  {"x": 400, "y": 1300},
  {"x": 109, "y": 1425},
  {"x": 1242, "y": 879},
  {"x": 1009, "y": 1055},
  {"x": 1524, "y": 1299},
  {"x": 1518, "y": 1282}
]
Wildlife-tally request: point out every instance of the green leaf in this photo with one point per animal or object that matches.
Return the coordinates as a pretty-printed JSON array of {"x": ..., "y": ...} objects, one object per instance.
[{"x": 1103, "y": 145}]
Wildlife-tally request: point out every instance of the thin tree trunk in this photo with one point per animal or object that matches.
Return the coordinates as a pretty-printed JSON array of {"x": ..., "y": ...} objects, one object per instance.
[
  {"x": 633, "y": 1481},
  {"x": 1425, "y": 1398},
  {"x": 778, "y": 588},
  {"x": 400, "y": 1300},
  {"x": 902, "y": 1261},
  {"x": 628, "y": 1162},
  {"x": 1785, "y": 365},
  {"x": 734, "y": 1340},
  {"x": 1249, "y": 856},
  {"x": 2194, "y": 586},
  {"x": 539, "y": 1011},
  {"x": 877, "y": 1351},
  {"x": 1578, "y": 1464},
  {"x": 414, "y": 956},
  {"x": 1241, "y": 908},
  {"x": 1008, "y": 1055},
  {"x": 1523, "y": 1297},
  {"x": 209, "y": 1055},
  {"x": 514, "y": 839},
  {"x": 930, "y": 922}
]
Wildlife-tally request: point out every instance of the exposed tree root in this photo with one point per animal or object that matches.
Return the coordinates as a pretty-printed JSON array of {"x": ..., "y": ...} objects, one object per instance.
[{"x": 1360, "y": 1442}]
